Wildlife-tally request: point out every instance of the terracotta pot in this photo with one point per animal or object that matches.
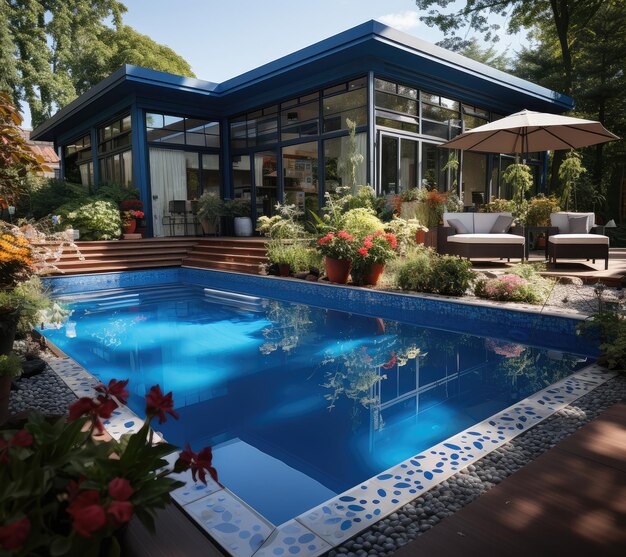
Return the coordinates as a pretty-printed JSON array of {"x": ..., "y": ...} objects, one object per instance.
[
  {"x": 130, "y": 226},
  {"x": 373, "y": 275},
  {"x": 5, "y": 393},
  {"x": 8, "y": 327},
  {"x": 430, "y": 238},
  {"x": 541, "y": 242},
  {"x": 338, "y": 270},
  {"x": 284, "y": 269},
  {"x": 420, "y": 236}
]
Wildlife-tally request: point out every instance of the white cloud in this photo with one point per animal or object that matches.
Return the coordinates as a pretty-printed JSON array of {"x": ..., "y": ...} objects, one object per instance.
[{"x": 403, "y": 21}]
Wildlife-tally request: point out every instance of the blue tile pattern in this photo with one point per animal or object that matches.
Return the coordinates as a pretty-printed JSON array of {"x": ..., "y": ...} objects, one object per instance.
[
  {"x": 528, "y": 326},
  {"x": 293, "y": 538}
]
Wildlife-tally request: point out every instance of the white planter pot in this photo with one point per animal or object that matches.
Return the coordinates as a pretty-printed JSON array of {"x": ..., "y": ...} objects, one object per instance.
[{"x": 243, "y": 226}]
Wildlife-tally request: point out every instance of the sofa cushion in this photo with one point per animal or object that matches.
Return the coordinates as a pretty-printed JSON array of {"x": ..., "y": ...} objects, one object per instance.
[
  {"x": 578, "y": 239},
  {"x": 458, "y": 226},
  {"x": 502, "y": 225},
  {"x": 578, "y": 225},
  {"x": 483, "y": 222},
  {"x": 486, "y": 239},
  {"x": 560, "y": 220},
  {"x": 467, "y": 219}
]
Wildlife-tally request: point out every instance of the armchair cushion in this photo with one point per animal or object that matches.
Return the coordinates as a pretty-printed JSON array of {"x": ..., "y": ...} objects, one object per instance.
[
  {"x": 578, "y": 225},
  {"x": 502, "y": 225},
  {"x": 578, "y": 239},
  {"x": 561, "y": 220},
  {"x": 458, "y": 226},
  {"x": 487, "y": 239}
]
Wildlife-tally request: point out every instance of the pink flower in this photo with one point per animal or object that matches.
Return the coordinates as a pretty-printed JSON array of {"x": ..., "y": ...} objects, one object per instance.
[
  {"x": 87, "y": 513},
  {"x": 393, "y": 242},
  {"x": 120, "y": 489},
  {"x": 13, "y": 536},
  {"x": 343, "y": 234},
  {"x": 121, "y": 511},
  {"x": 363, "y": 251},
  {"x": 158, "y": 404}
]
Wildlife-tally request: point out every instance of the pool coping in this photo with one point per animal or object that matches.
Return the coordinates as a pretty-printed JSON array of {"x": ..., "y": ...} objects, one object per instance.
[{"x": 243, "y": 532}]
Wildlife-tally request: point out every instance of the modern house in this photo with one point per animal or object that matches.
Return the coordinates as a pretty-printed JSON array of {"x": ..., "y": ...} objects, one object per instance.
[{"x": 281, "y": 132}]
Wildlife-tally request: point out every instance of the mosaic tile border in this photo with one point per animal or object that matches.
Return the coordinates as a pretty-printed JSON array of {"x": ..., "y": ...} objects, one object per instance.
[
  {"x": 245, "y": 533},
  {"x": 528, "y": 325}
]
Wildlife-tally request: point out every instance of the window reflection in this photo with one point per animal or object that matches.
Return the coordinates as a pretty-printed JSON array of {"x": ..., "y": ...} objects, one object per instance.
[
  {"x": 300, "y": 175},
  {"x": 337, "y": 167},
  {"x": 242, "y": 177},
  {"x": 266, "y": 182}
]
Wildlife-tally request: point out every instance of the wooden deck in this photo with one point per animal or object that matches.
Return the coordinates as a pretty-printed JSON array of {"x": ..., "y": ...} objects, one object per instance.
[{"x": 571, "y": 502}]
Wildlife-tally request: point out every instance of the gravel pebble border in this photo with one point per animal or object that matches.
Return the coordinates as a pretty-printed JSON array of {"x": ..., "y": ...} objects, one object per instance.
[
  {"x": 419, "y": 516},
  {"x": 45, "y": 392}
]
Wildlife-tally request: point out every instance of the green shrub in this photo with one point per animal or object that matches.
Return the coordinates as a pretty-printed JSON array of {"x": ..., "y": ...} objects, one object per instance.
[
  {"x": 450, "y": 275},
  {"x": 360, "y": 222},
  {"x": 112, "y": 191},
  {"x": 414, "y": 273},
  {"x": 10, "y": 366},
  {"x": 54, "y": 193},
  {"x": 96, "y": 219},
  {"x": 297, "y": 255},
  {"x": 32, "y": 300},
  {"x": 515, "y": 287}
]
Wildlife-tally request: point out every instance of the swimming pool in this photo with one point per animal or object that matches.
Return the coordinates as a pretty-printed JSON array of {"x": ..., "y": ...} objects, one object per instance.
[{"x": 301, "y": 402}]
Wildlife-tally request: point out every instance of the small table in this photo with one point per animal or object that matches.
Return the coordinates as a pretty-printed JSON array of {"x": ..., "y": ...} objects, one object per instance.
[{"x": 547, "y": 230}]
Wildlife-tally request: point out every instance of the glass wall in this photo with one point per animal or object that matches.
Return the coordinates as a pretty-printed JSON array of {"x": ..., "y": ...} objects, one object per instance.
[
  {"x": 266, "y": 182},
  {"x": 300, "y": 175},
  {"x": 78, "y": 161},
  {"x": 474, "y": 179},
  {"x": 179, "y": 130},
  {"x": 115, "y": 159},
  {"x": 339, "y": 170},
  {"x": 242, "y": 177},
  {"x": 210, "y": 178}
]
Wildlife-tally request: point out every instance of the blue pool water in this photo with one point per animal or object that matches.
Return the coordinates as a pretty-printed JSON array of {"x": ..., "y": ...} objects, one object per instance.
[{"x": 300, "y": 403}]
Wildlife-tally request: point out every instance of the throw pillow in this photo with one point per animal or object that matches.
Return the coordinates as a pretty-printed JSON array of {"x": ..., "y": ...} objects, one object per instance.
[
  {"x": 502, "y": 225},
  {"x": 458, "y": 226},
  {"x": 578, "y": 225}
]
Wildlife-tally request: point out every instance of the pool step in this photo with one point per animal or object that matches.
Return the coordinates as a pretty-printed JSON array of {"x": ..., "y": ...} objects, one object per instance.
[{"x": 234, "y": 254}]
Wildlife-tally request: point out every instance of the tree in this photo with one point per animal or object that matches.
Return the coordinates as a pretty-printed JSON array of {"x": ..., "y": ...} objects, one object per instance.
[
  {"x": 16, "y": 157},
  {"x": 55, "y": 50},
  {"x": 472, "y": 49}
]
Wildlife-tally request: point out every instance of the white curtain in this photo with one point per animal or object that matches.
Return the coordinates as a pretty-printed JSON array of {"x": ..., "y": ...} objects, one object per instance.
[
  {"x": 344, "y": 167},
  {"x": 361, "y": 171},
  {"x": 168, "y": 181}
]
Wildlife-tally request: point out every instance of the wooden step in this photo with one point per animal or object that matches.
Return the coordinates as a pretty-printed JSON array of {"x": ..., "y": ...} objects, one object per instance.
[
  {"x": 75, "y": 256},
  {"x": 248, "y": 243},
  {"x": 127, "y": 266},
  {"x": 118, "y": 261},
  {"x": 249, "y": 268},
  {"x": 232, "y": 257},
  {"x": 204, "y": 248}
]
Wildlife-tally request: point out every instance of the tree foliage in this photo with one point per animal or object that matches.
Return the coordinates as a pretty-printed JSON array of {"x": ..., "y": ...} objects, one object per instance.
[{"x": 53, "y": 51}]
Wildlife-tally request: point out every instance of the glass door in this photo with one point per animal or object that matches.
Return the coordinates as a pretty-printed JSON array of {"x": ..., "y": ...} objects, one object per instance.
[
  {"x": 398, "y": 163},
  {"x": 265, "y": 182}
]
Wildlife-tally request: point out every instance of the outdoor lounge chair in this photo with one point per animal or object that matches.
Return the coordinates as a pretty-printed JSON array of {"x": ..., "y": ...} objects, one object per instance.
[
  {"x": 480, "y": 235},
  {"x": 575, "y": 239}
]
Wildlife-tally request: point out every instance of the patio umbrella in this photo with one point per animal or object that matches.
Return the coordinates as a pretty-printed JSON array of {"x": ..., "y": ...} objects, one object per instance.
[{"x": 528, "y": 131}]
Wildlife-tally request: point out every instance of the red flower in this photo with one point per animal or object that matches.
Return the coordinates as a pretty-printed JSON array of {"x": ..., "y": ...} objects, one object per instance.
[
  {"x": 326, "y": 239},
  {"x": 101, "y": 408},
  {"x": 200, "y": 463},
  {"x": 363, "y": 251},
  {"x": 120, "y": 489},
  {"x": 343, "y": 234},
  {"x": 393, "y": 242},
  {"x": 121, "y": 511},
  {"x": 378, "y": 233},
  {"x": 13, "y": 536},
  {"x": 158, "y": 404},
  {"x": 367, "y": 241},
  {"x": 22, "y": 439},
  {"x": 115, "y": 388},
  {"x": 392, "y": 361},
  {"x": 87, "y": 513}
]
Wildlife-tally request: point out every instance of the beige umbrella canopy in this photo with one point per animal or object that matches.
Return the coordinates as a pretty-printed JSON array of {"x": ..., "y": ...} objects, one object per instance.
[{"x": 528, "y": 131}]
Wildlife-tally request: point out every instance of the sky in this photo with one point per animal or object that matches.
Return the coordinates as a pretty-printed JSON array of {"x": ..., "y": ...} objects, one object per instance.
[{"x": 224, "y": 38}]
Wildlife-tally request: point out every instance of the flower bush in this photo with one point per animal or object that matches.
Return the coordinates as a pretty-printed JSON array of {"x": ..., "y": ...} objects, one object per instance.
[
  {"x": 63, "y": 491},
  {"x": 379, "y": 247},
  {"x": 540, "y": 208},
  {"x": 506, "y": 349},
  {"x": 96, "y": 220},
  {"x": 16, "y": 262},
  {"x": 522, "y": 284},
  {"x": 360, "y": 222},
  {"x": 340, "y": 245},
  {"x": 498, "y": 206}
]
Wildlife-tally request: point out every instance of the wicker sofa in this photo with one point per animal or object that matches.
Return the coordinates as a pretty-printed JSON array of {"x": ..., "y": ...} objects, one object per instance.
[
  {"x": 575, "y": 239},
  {"x": 472, "y": 235}
]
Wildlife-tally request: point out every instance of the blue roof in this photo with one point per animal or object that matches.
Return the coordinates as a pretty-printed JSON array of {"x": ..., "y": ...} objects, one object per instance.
[{"x": 369, "y": 46}]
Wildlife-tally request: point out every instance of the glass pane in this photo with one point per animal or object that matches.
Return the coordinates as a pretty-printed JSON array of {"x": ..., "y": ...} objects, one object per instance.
[
  {"x": 117, "y": 169},
  {"x": 266, "y": 180},
  {"x": 242, "y": 177},
  {"x": 127, "y": 161},
  {"x": 389, "y": 165},
  {"x": 339, "y": 108},
  {"x": 300, "y": 175},
  {"x": 471, "y": 122},
  {"x": 382, "y": 85},
  {"x": 357, "y": 83},
  {"x": 433, "y": 162},
  {"x": 407, "y": 91},
  {"x": 438, "y": 130},
  {"x": 409, "y": 164},
  {"x": 238, "y": 134},
  {"x": 474, "y": 178},
  {"x": 439, "y": 114},
  {"x": 338, "y": 154},
  {"x": 126, "y": 123},
  {"x": 211, "y": 173},
  {"x": 397, "y": 124},
  {"x": 192, "y": 167},
  {"x": 195, "y": 139},
  {"x": 174, "y": 122},
  {"x": 154, "y": 120},
  {"x": 396, "y": 103}
]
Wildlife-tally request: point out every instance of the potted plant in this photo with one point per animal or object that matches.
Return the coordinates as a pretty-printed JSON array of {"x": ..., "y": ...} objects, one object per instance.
[
  {"x": 64, "y": 491},
  {"x": 240, "y": 210},
  {"x": 291, "y": 256},
  {"x": 539, "y": 210},
  {"x": 520, "y": 178},
  {"x": 129, "y": 220},
  {"x": 338, "y": 248},
  {"x": 210, "y": 209},
  {"x": 10, "y": 368},
  {"x": 135, "y": 205},
  {"x": 369, "y": 259}
]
